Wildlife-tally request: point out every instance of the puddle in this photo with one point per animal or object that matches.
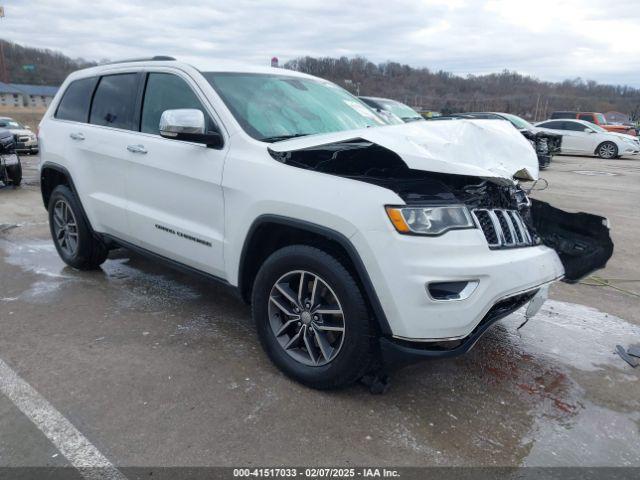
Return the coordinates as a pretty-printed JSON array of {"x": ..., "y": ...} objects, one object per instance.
[{"x": 574, "y": 335}]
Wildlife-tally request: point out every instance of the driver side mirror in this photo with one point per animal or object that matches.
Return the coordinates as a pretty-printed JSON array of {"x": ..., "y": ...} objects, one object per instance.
[
  {"x": 588, "y": 130},
  {"x": 189, "y": 125}
]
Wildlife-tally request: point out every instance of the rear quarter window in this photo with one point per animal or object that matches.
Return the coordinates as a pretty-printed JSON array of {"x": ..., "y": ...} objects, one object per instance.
[
  {"x": 114, "y": 103},
  {"x": 76, "y": 100}
]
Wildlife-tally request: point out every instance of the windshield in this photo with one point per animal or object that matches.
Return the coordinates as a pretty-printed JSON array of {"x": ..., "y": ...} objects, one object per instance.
[
  {"x": 276, "y": 107},
  {"x": 601, "y": 119},
  {"x": 595, "y": 127},
  {"x": 400, "y": 110},
  {"x": 8, "y": 123},
  {"x": 519, "y": 123}
]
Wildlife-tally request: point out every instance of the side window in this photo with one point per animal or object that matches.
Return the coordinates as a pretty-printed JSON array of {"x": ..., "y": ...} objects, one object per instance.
[
  {"x": 165, "y": 91},
  {"x": 76, "y": 100},
  {"x": 574, "y": 126},
  {"x": 114, "y": 103},
  {"x": 587, "y": 116},
  {"x": 553, "y": 125}
]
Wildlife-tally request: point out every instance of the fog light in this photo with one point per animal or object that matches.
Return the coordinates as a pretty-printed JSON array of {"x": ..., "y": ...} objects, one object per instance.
[{"x": 446, "y": 291}]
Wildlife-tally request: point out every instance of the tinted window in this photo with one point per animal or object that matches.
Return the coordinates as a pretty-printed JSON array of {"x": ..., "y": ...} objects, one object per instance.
[
  {"x": 587, "y": 116},
  {"x": 573, "y": 126},
  {"x": 371, "y": 103},
  {"x": 114, "y": 102},
  {"x": 553, "y": 125},
  {"x": 165, "y": 92},
  {"x": 76, "y": 100}
]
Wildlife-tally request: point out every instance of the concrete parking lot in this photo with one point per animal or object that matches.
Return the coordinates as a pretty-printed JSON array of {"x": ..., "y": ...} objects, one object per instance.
[{"x": 156, "y": 368}]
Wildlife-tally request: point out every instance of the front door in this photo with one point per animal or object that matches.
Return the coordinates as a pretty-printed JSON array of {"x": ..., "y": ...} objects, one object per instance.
[
  {"x": 176, "y": 206},
  {"x": 578, "y": 138}
]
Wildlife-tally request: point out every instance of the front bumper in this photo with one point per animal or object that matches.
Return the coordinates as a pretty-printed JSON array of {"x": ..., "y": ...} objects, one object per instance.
[
  {"x": 401, "y": 266},
  {"x": 27, "y": 145},
  {"x": 396, "y": 353}
]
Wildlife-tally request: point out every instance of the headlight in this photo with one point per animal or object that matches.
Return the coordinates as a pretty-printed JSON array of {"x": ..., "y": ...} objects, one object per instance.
[{"x": 429, "y": 220}]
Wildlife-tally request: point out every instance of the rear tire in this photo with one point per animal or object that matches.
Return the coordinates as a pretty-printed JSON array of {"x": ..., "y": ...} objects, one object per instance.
[
  {"x": 72, "y": 236},
  {"x": 321, "y": 357},
  {"x": 607, "y": 150}
]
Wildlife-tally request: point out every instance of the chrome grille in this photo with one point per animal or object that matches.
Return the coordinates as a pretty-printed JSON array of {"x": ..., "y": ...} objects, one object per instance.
[{"x": 503, "y": 228}]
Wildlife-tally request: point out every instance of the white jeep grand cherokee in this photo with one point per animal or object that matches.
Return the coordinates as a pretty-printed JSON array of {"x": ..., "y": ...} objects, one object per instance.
[{"x": 358, "y": 244}]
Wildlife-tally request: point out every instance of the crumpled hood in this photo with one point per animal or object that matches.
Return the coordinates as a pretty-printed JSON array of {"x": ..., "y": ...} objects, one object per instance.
[{"x": 482, "y": 148}]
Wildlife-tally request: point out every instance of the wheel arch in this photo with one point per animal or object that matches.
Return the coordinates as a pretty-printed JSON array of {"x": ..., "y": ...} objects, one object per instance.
[
  {"x": 595, "y": 152},
  {"x": 280, "y": 231},
  {"x": 52, "y": 175}
]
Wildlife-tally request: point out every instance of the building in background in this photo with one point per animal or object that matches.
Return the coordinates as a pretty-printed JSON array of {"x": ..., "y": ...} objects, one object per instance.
[{"x": 20, "y": 95}]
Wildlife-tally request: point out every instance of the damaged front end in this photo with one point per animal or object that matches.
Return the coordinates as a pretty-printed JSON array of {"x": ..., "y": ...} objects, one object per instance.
[
  {"x": 545, "y": 144},
  {"x": 499, "y": 206}
]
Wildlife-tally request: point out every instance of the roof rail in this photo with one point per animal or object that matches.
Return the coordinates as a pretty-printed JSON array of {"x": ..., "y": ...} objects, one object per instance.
[{"x": 157, "y": 58}]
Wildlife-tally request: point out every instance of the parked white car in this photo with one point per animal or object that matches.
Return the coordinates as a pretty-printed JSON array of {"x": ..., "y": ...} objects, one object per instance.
[
  {"x": 586, "y": 138},
  {"x": 26, "y": 140},
  {"x": 357, "y": 243}
]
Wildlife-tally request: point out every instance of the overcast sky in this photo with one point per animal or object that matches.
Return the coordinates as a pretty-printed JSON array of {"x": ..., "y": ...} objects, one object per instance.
[{"x": 551, "y": 40}]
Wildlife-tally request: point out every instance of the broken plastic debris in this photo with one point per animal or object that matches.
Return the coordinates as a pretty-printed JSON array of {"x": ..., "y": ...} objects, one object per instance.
[
  {"x": 634, "y": 350},
  {"x": 626, "y": 357},
  {"x": 7, "y": 226}
]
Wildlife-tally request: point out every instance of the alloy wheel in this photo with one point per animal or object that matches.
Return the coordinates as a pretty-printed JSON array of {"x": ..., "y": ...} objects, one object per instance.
[
  {"x": 65, "y": 228},
  {"x": 608, "y": 150},
  {"x": 306, "y": 318}
]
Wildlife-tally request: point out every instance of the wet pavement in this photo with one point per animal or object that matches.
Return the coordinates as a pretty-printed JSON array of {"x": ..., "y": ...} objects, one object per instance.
[{"x": 160, "y": 368}]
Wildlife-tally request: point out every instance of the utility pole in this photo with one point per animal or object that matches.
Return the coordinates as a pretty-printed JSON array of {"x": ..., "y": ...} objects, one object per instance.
[{"x": 3, "y": 69}]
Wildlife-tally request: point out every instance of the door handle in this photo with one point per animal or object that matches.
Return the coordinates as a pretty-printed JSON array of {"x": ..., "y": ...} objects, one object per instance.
[
  {"x": 136, "y": 148},
  {"x": 77, "y": 136}
]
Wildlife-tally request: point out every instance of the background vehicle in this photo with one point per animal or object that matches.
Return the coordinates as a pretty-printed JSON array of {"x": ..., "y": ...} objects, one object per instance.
[
  {"x": 545, "y": 144},
  {"x": 392, "y": 108},
  {"x": 10, "y": 167},
  {"x": 586, "y": 138},
  {"x": 597, "y": 118},
  {"x": 26, "y": 140},
  {"x": 344, "y": 237}
]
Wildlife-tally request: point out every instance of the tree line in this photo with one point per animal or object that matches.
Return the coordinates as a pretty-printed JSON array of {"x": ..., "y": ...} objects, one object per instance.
[
  {"x": 445, "y": 92},
  {"x": 37, "y": 66},
  {"x": 421, "y": 88}
]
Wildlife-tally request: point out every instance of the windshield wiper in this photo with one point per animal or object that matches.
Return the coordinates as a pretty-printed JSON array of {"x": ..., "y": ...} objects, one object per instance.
[{"x": 280, "y": 138}]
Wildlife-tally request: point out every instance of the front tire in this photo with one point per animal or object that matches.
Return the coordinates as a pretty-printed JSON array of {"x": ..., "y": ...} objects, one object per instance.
[
  {"x": 71, "y": 233},
  {"x": 311, "y": 318},
  {"x": 607, "y": 150}
]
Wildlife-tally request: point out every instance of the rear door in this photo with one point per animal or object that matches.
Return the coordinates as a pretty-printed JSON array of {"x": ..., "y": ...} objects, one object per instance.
[
  {"x": 100, "y": 154},
  {"x": 97, "y": 127},
  {"x": 174, "y": 187}
]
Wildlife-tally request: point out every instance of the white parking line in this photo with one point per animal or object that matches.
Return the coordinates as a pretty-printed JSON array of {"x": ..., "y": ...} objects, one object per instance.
[{"x": 80, "y": 452}]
